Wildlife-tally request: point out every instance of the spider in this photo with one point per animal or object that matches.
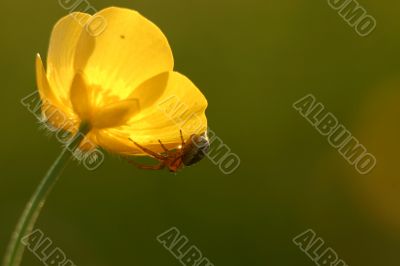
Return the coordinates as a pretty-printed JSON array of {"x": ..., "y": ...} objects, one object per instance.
[{"x": 188, "y": 153}]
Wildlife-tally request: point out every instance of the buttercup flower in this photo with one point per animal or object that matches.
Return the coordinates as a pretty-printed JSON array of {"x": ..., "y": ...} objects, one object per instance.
[
  {"x": 114, "y": 88},
  {"x": 121, "y": 82}
]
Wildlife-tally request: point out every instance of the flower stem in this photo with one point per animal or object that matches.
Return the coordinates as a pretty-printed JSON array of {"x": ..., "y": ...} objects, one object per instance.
[{"x": 32, "y": 210}]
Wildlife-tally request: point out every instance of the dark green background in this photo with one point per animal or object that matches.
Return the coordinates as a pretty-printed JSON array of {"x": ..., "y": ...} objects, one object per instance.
[{"x": 252, "y": 59}]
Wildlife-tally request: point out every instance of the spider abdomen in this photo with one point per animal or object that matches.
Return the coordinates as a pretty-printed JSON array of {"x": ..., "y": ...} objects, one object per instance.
[{"x": 195, "y": 149}]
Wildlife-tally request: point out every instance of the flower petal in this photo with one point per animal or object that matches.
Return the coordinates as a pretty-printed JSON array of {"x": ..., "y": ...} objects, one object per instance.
[
  {"x": 55, "y": 111},
  {"x": 42, "y": 83},
  {"x": 116, "y": 114},
  {"x": 115, "y": 142},
  {"x": 151, "y": 90},
  {"x": 61, "y": 54},
  {"x": 80, "y": 97},
  {"x": 130, "y": 50},
  {"x": 181, "y": 106}
]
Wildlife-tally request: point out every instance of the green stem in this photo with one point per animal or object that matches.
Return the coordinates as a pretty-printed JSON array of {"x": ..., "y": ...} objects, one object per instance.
[{"x": 32, "y": 210}]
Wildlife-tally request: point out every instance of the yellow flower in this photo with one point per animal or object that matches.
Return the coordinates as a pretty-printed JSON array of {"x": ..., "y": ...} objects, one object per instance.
[{"x": 120, "y": 81}]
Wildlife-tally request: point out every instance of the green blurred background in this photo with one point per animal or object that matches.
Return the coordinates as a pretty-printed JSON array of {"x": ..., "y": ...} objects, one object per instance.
[{"x": 252, "y": 59}]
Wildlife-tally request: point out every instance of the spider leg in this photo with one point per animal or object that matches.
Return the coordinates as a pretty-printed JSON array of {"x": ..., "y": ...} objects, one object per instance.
[
  {"x": 152, "y": 153},
  {"x": 183, "y": 141},
  {"x": 175, "y": 164},
  {"x": 163, "y": 146},
  {"x": 175, "y": 160}
]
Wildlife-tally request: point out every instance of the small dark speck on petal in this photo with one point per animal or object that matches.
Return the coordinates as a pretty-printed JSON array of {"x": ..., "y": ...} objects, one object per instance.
[{"x": 122, "y": 36}]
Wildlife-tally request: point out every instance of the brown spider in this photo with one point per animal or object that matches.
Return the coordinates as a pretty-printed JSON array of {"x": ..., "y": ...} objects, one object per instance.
[{"x": 188, "y": 153}]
